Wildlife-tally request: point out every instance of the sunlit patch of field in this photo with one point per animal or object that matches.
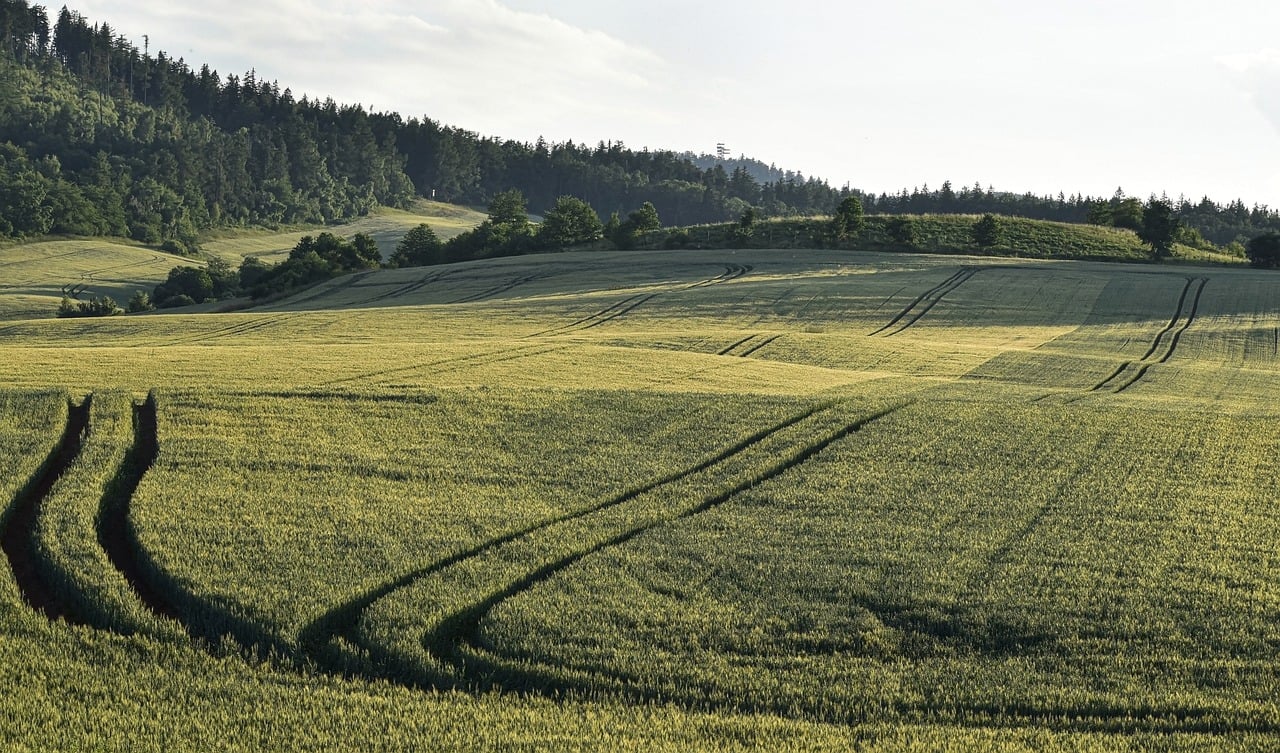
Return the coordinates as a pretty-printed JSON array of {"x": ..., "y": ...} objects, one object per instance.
[
  {"x": 681, "y": 500},
  {"x": 34, "y": 277},
  {"x": 385, "y": 225}
]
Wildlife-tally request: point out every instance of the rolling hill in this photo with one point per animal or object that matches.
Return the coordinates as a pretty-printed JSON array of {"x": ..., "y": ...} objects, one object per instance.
[{"x": 658, "y": 499}]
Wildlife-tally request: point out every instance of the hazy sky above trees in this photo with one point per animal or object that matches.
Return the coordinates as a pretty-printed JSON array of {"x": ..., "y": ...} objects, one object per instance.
[{"x": 1084, "y": 96}]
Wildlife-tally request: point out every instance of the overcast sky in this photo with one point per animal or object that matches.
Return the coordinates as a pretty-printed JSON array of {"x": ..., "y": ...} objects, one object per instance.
[{"x": 1084, "y": 96}]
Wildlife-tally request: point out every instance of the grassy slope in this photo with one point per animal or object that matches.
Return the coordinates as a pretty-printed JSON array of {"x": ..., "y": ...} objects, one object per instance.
[
  {"x": 385, "y": 225},
  {"x": 34, "y": 275},
  {"x": 896, "y": 579},
  {"x": 951, "y": 234}
]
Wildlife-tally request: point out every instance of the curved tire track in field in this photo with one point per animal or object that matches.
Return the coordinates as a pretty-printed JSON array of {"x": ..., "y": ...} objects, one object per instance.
[
  {"x": 500, "y": 289},
  {"x": 116, "y": 535},
  {"x": 929, "y": 299},
  {"x": 17, "y": 539},
  {"x": 1191, "y": 317},
  {"x": 627, "y": 305},
  {"x": 346, "y": 282},
  {"x": 751, "y": 347},
  {"x": 737, "y": 344},
  {"x": 226, "y": 329},
  {"x": 1173, "y": 321},
  {"x": 1173, "y": 330},
  {"x": 412, "y": 287},
  {"x": 456, "y": 639},
  {"x": 318, "y": 637}
]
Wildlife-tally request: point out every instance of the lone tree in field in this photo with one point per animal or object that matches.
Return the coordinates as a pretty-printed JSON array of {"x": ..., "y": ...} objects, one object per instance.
[
  {"x": 848, "y": 219},
  {"x": 1264, "y": 251},
  {"x": 1159, "y": 227},
  {"x": 570, "y": 222},
  {"x": 986, "y": 231},
  {"x": 418, "y": 248}
]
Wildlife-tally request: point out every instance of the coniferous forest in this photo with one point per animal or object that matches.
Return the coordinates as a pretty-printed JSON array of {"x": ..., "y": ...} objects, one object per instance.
[{"x": 98, "y": 137}]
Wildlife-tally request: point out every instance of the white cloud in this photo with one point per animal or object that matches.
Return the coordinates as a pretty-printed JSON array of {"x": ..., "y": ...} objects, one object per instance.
[{"x": 474, "y": 63}]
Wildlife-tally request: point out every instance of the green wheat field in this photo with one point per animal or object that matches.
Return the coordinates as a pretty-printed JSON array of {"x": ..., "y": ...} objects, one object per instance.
[{"x": 672, "y": 500}]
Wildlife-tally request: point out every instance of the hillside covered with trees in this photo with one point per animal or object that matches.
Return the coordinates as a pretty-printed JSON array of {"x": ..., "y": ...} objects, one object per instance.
[{"x": 98, "y": 137}]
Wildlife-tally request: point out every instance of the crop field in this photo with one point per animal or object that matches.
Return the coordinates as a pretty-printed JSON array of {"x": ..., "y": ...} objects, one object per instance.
[
  {"x": 34, "y": 277},
  {"x": 658, "y": 500}
]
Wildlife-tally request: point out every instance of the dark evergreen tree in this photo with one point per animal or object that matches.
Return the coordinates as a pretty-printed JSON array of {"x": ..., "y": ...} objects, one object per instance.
[
  {"x": 1264, "y": 251},
  {"x": 1159, "y": 227},
  {"x": 987, "y": 231}
]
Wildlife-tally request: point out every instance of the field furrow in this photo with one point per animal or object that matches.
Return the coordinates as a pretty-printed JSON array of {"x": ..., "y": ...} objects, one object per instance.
[
  {"x": 736, "y": 344},
  {"x": 20, "y": 523},
  {"x": 437, "y": 610},
  {"x": 80, "y": 535},
  {"x": 116, "y": 535},
  {"x": 924, "y": 301},
  {"x": 1174, "y": 330},
  {"x": 759, "y": 345}
]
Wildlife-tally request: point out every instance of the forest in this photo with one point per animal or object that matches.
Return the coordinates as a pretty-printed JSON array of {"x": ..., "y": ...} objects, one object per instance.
[{"x": 98, "y": 137}]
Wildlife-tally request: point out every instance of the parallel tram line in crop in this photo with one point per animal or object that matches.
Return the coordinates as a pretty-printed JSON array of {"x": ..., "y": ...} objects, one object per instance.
[
  {"x": 116, "y": 535},
  {"x": 238, "y": 328},
  {"x": 455, "y": 639},
  {"x": 500, "y": 289},
  {"x": 17, "y": 538},
  {"x": 527, "y": 558},
  {"x": 454, "y": 362},
  {"x": 343, "y": 621},
  {"x": 929, "y": 299},
  {"x": 627, "y": 305},
  {"x": 1173, "y": 331},
  {"x": 759, "y": 345},
  {"x": 414, "y": 286},
  {"x": 349, "y": 281},
  {"x": 752, "y": 343},
  {"x": 736, "y": 344}
]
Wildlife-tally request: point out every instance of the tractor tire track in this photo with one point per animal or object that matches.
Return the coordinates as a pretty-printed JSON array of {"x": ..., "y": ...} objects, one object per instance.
[
  {"x": 116, "y": 534},
  {"x": 621, "y": 312},
  {"x": 1191, "y": 317},
  {"x": 456, "y": 639},
  {"x": 627, "y": 305},
  {"x": 521, "y": 351},
  {"x": 238, "y": 328},
  {"x": 737, "y": 344},
  {"x": 18, "y": 540},
  {"x": 500, "y": 289},
  {"x": 414, "y": 286},
  {"x": 319, "y": 636},
  {"x": 763, "y": 343},
  {"x": 939, "y": 290},
  {"x": 1173, "y": 322},
  {"x": 1173, "y": 330},
  {"x": 934, "y": 300},
  {"x": 590, "y": 317},
  {"x": 731, "y": 272},
  {"x": 326, "y": 290},
  {"x": 1112, "y": 376}
]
